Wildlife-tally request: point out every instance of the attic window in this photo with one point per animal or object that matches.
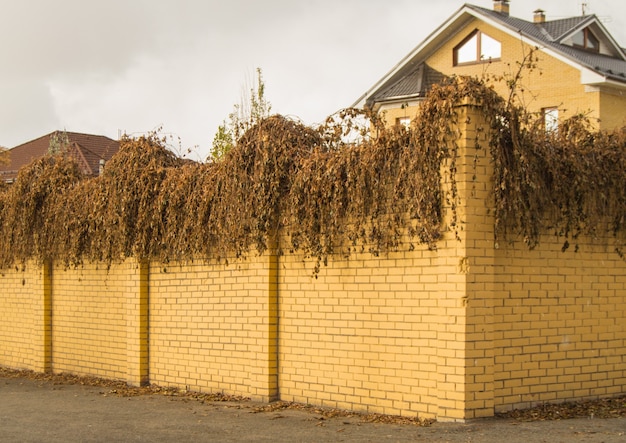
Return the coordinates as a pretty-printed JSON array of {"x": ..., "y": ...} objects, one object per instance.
[
  {"x": 477, "y": 47},
  {"x": 586, "y": 40}
]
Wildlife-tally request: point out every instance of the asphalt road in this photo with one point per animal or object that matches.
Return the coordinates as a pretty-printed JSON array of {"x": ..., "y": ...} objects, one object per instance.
[{"x": 43, "y": 411}]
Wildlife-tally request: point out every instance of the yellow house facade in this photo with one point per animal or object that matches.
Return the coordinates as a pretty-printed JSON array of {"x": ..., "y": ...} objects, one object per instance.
[{"x": 578, "y": 67}]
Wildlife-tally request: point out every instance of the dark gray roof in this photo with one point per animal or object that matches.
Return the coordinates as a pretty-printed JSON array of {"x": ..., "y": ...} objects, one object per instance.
[
  {"x": 547, "y": 31},
  {"x": 559, "y": 28},
  {"x": 608, "y": 66},
  {"x": 550, "y": 33},
  {"x": 415, "y": 84}
]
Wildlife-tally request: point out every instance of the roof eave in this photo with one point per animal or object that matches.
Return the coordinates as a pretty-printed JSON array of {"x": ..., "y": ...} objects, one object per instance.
[
  {"x": 589, "y": 77},
  {"x": 403, "y": 99},
  {"x": 426, "y": 46}
]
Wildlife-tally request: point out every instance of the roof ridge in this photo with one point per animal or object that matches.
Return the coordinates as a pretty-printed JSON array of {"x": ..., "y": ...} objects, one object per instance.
[
  {"x": 83, "y": 133},
  {"x": 69, "y": 133}
]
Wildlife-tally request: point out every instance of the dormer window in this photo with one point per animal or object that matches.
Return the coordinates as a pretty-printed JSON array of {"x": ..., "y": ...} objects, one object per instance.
[
  {"x": 586, "y": 40},
  {"x": 477, "y": 47}
]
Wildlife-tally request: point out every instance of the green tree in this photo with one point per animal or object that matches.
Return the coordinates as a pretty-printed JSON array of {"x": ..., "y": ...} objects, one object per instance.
[
  {"x": 222, "y": 141},
  {"x": 252, "y": 108}
]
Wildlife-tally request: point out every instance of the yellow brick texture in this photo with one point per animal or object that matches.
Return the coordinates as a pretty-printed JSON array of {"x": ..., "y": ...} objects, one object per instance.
[
  {"x": 612, "y": 106},
  {"x": 389, "y": 334},
  {"x": 25, "y": 318},
  {"x": 89, "y": 319},
  {"x": 356, "y": 336},
  {"x": 559, "y": 331},
  {"x": 212, "y": 328}
]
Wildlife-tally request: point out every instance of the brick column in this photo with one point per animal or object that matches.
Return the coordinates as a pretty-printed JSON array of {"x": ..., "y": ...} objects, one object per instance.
[
  {"x": 264, "y": 377},
  {"x": 479, "y": 265},
  {"x": 137, "y": 323},
  {"x": 465, "y": 333},
  {"x": 41, "y": 358},
  {"x": 272, "y": 324}
]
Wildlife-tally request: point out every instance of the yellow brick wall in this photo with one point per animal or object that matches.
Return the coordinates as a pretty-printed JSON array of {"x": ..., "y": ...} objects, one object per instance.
[
  {"x": 211, "y": 327},
  {"x": 24, "y": 318},
  {"x": 374, "y": 334},
  {"x": 89, "y": 319},
  {"x": 613, "y": 109},
  {"x": 455, "y": 333},
  {"x": 559, "y": 329},
  {"x": 476, "y": 261},
  {"x": 393, "y": 112},
  {"x": 349, "y": 335},
  {"x": 390, "y": 334}
]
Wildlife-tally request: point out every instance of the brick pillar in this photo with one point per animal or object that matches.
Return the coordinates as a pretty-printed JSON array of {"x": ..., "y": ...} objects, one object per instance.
[
  {"x": 465, "y": 333},
  {"x": 137, "y": 323},
  {"x": 264, "y": 382},
  {"x": 272, "y": 324},
  {"x": 41, "y": 358},
  {"x": 479, "y": 265}
]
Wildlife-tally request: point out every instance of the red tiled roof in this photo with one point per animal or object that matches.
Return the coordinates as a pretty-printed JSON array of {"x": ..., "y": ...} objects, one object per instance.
[{"x": 86, "y": 148}]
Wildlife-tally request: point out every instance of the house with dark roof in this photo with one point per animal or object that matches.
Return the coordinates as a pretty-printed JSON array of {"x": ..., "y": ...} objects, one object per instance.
[
  {"x": 91, "y": 152},
  {"x": 580, "y": 67}
]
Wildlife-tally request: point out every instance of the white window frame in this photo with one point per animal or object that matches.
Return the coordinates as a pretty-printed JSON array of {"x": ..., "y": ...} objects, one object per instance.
[
  {"x": 551, "y": 119},
  {"x": 478, "y": 47},
  {"x": 405, "y": 122}
]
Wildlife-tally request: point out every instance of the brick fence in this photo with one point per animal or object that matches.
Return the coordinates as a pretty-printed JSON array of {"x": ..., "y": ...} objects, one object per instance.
[{"x": 457, "y": 333}]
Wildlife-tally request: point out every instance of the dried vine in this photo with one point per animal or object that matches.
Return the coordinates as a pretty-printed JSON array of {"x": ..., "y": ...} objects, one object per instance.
[
  {"x": 570, "y": 182},
  {"x": 328, "y": 193}
]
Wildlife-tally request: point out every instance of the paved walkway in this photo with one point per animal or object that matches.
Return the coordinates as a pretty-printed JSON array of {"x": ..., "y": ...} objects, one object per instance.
[{"x": 42, "y": 411}]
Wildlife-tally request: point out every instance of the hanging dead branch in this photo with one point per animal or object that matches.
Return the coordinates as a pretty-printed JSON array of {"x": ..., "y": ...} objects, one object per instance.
[{"x": 330, "y": 192}]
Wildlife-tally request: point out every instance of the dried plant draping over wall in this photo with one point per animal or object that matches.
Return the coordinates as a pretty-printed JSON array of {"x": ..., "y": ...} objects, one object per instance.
[
  {"x": 327, "y": 195},
  {"x": 569, "y": 182}
]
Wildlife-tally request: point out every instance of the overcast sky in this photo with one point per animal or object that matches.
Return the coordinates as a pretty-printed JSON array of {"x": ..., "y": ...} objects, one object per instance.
[{"x": 130, "y": 66}]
